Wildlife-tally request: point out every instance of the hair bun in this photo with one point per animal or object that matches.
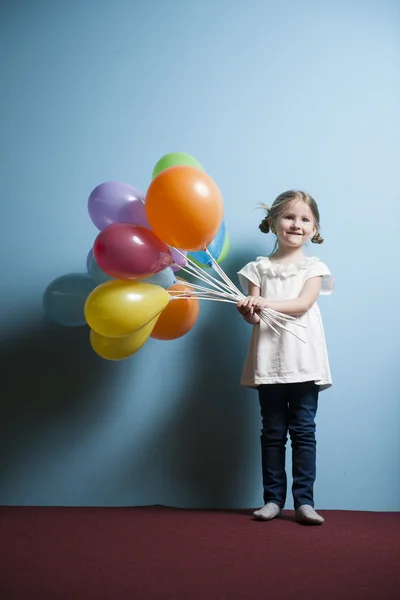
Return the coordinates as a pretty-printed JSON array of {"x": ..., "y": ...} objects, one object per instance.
[
  {"x": 317, "y": 239},
  {"x": 264, "y": 225}
]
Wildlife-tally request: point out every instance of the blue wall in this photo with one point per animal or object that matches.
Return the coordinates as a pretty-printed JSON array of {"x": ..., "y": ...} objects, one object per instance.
[{"x": 268, "y": 96}]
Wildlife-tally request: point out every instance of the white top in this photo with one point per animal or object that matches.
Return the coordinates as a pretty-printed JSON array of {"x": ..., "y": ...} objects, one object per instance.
[{"x": 285, "y": 359}]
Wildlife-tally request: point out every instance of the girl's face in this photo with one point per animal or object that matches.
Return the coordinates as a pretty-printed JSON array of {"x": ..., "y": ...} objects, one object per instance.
[{"x": 296, "y": 225}]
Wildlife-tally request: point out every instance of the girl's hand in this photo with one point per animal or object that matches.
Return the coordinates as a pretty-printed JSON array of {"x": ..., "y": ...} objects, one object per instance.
[
  {"x": 259, "y": 304},
  {"x": 246, "y": 306}
]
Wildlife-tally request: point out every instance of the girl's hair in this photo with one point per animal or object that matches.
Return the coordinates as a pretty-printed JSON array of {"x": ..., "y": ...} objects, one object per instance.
[{"x": 279, "y": 205}]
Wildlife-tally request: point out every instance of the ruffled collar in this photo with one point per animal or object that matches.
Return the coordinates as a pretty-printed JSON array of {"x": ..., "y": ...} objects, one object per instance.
[{"x": 284, "y": 270}]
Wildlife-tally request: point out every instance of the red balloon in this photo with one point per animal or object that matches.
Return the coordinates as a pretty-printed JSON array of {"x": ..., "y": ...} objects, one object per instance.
[{"x": 128, "y": 251}]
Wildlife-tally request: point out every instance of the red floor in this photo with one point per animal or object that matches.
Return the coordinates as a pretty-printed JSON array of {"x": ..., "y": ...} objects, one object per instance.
[{"x": 157, "y": 553}]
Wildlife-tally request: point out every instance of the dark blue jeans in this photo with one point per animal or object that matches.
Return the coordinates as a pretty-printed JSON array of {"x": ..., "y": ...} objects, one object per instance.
[{"x": 288, "y": 407}]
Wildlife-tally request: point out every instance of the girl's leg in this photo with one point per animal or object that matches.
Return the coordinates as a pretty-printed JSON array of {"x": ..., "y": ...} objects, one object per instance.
[
  {"x": 274, "y": 414},
  {"x": 303, "y": 404}
]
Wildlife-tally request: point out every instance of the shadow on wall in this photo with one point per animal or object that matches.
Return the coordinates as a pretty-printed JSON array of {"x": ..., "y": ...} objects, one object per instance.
[
  {"x": 211, "y": 444},
  {"x": 46, "y": 374},
  {"x": 203, "y": 454}
]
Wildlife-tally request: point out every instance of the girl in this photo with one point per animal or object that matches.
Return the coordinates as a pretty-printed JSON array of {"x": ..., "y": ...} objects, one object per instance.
[{"x": 287, "y": 372}]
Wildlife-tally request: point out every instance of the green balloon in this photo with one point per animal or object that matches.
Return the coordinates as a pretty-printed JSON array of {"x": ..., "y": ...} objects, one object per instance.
[
  {"x": 225, "y": 249},
  {"x": 175, "y": 159}
]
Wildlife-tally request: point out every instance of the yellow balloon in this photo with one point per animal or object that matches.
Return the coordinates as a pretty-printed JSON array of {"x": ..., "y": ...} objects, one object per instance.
[
  {"x": 118, "y": 308},
  {"x": 120, "y": 348}
]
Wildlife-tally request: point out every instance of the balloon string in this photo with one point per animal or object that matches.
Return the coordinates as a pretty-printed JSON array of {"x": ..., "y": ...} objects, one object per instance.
[
  {"x": 203, "y": 298},
  {"x": 207, "y": 277},
  {"x": 282, "y": 317},
  {"x": 201, "y": 288},
  {"x": 266, "y": 313},
  {"x": 203, "y": 277},
  {"x": 230, "y": 293},
  {"x": 268, "y": 322},
  {"x": 223, "y": 275}
]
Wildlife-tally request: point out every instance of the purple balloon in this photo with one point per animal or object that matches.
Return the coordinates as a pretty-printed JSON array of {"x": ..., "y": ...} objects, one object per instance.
[
  {"x": 88, "y": 259},
  {"x": 179, "y": 260},
  {"x": 117, "y": 202}
]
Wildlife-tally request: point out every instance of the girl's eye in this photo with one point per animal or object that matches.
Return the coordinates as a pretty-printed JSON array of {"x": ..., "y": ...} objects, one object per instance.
[
  {"x": 289, "y": 217},
  {"x": 306, "y": 220}
]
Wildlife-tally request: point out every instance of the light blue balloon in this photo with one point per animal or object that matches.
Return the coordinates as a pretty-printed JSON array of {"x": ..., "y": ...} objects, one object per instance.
[
  {"x": 215, "y": 248},
  {"x": 64, "y": 299},
  {"x": 88, "y": 259},
  {"x": 97, "y": 274},
  {"x": 164, "y": 278}
]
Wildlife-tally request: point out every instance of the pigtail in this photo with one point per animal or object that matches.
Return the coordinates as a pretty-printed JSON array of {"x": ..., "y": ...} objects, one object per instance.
[
  {"x": 264, "y": 225},
  {"x": 317, "y": 239}
]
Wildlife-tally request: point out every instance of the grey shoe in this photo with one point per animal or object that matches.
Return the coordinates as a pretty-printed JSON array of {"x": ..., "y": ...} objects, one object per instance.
[
  {"x": 306, "y": 514},
  {"x": 267, "y": 512}
]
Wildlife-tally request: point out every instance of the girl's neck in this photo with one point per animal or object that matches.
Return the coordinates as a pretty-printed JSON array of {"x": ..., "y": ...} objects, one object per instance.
[{"x": 288, "y": 255}]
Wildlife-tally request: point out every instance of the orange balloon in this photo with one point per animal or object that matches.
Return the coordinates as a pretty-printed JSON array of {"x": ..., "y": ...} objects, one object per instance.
[
  {"x": 184, "y": 208},
  {"x": 178, "y": 317}
]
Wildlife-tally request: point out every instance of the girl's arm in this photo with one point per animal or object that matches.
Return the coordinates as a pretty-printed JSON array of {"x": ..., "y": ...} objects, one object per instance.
[
  {"x": 246, "y": 308},
  {"x": 295, "y": 307}
]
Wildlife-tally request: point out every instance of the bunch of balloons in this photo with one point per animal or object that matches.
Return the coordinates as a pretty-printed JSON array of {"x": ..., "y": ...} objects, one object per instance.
[{"x": 131, "y": 291}]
